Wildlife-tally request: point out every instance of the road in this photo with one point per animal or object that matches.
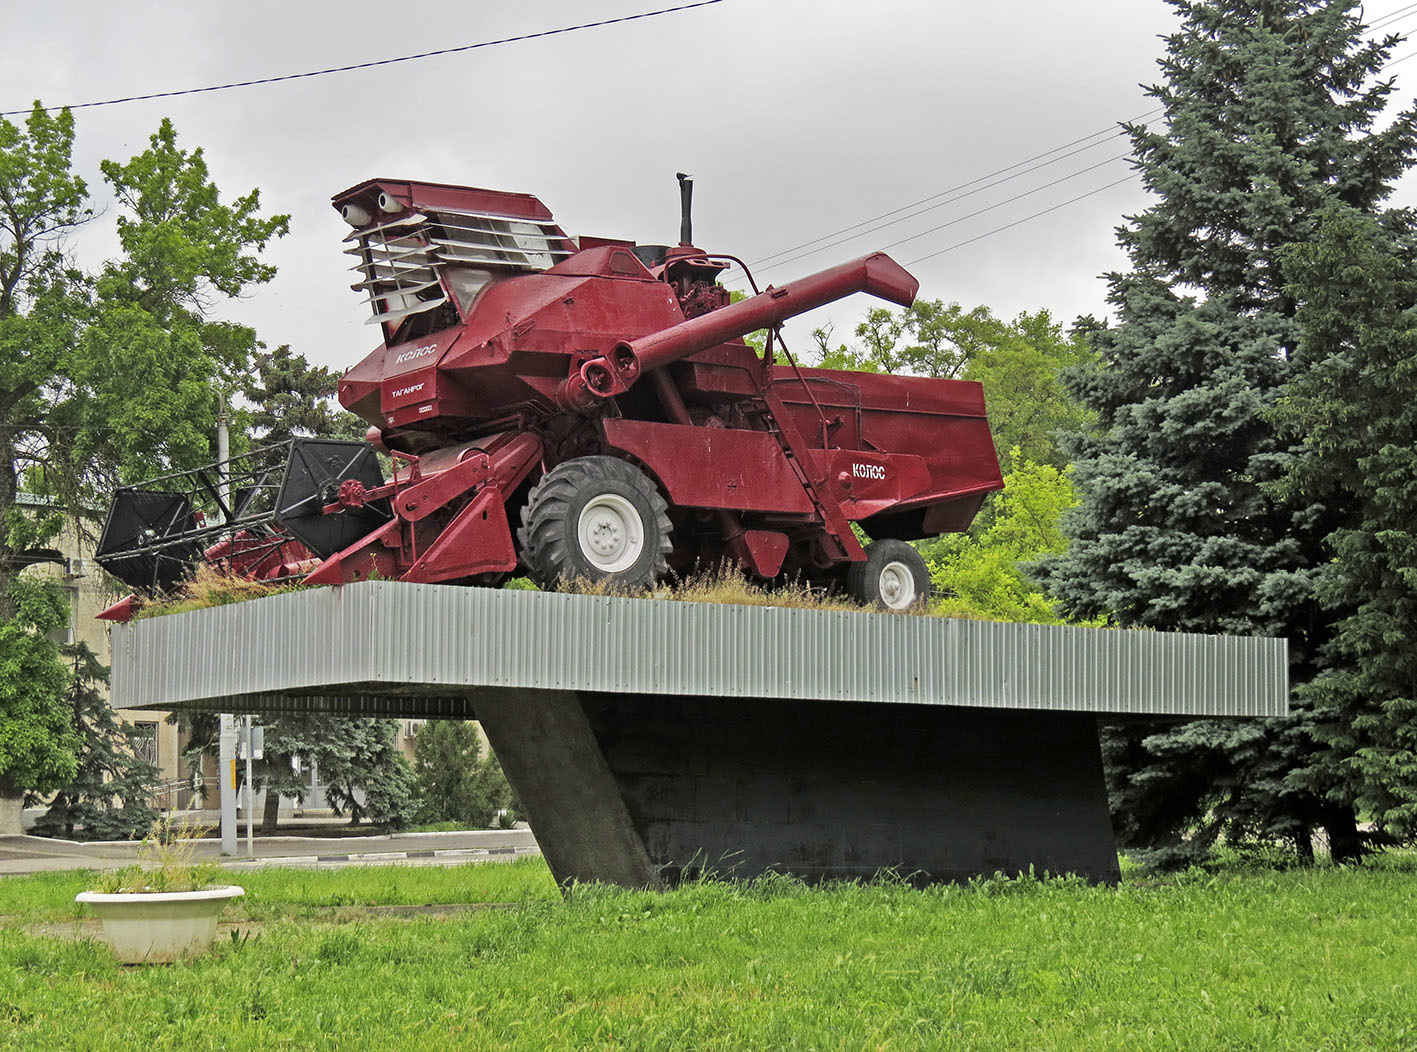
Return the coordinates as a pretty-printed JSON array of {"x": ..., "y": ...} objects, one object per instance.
[{"x": 30, "y": 854}]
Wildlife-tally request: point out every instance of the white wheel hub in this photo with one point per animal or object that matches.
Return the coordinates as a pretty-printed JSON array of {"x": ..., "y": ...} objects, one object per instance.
[
  {"x": 897, "y": 586},
  {"x": 610, "y": 533}
]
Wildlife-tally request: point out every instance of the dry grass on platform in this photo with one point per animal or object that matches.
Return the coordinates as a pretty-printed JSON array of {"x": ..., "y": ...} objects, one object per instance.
[
  {"x": 727, "y": 586},
  {"x": 724, "y": 585},
  {"x": 210, "y": 587}
]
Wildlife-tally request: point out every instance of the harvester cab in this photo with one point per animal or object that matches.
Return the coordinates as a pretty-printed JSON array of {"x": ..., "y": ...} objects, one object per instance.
[{"x": 579, "y": 409}]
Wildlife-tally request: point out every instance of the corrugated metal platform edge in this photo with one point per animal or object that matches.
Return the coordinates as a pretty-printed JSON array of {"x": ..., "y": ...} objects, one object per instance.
[{"x": 411, "y": 649}]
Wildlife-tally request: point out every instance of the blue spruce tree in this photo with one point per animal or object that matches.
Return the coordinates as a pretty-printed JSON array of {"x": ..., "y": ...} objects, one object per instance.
[{"x": 1271, "y": 114}]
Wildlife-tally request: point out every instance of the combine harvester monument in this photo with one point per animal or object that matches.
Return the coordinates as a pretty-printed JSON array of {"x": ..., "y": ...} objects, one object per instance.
[{"x": 588, "y": 409}]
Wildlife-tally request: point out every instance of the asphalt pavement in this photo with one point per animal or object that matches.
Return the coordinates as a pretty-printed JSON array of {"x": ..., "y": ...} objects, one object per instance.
[{"x": 32, "y": 854}]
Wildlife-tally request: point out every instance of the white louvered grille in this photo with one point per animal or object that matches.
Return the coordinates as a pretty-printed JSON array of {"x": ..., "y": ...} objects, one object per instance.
[{"x": 402, "y": 262}]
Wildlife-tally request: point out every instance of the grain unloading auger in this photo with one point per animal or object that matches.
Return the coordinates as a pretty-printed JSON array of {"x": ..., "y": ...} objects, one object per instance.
[{"x": 579, "y": 409}]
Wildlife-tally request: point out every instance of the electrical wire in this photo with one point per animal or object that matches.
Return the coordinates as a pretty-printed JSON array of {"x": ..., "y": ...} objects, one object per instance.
[
  {"x": 978, "y": 212},
  {"x": 989, "y": 179},
  {"x": 375, "y": 63},
  {"x": 1391, "y": 16},
  {"x": 1019, "y": 222}
]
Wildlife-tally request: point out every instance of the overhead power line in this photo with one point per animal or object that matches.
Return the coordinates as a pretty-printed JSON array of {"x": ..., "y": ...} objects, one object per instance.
[
  {"x": 1010, "y": 200},
  {"x": 377, "y": 62},
  {"x": 1018, "y": 222},
  {"x": 989, "y": 179},
  {"x": 959, "y": 219},
  {"x": 996, "y": 178},
  {"x": 1391, "y": 16}
]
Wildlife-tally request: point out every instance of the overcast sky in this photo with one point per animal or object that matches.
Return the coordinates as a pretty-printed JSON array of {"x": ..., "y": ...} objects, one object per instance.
[{"x": 797, "y": 118}]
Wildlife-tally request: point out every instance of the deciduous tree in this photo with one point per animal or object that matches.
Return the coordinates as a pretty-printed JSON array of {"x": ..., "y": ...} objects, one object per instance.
[
  {"x": 986, "y": 572},
  {"x": 102, "y": 378},
  {"x": 1019, "y": 363},
  {"x": 41, "y": 312}
]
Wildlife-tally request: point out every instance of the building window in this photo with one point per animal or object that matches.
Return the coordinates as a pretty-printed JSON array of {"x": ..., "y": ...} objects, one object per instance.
[
  {"x": 64, "y": 635},
  {"x": 144, "y": 737}
]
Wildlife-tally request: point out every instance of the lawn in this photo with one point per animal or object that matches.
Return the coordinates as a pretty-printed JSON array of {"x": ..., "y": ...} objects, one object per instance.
[{"x": 1317, "y": 959}]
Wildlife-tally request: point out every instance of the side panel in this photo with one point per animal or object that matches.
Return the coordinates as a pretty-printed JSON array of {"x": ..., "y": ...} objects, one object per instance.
[
  {"x": 941, "y": 421},
  {"x": 713, "y": 467}
]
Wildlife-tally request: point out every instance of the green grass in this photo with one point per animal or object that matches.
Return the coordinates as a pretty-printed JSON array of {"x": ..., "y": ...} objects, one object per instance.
[
  {"x": 277, "y": 893},
  {"x": 1317, "y": 959}
]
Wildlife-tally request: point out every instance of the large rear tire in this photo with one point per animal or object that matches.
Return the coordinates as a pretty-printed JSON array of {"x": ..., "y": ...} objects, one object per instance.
[
  {"x": 598, "y": 519},
  {"x": 893, "y": 577}
]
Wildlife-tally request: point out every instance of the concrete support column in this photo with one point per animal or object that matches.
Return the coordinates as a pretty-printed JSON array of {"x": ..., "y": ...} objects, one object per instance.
[
  {"x": 553, "y": 761},
  {"x": 841, "y": 790}
]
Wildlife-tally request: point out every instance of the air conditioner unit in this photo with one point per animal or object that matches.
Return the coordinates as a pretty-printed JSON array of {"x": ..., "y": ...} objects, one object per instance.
[
  {"x": 76, "y": 567},
  {"x": 410, "y": 728}
]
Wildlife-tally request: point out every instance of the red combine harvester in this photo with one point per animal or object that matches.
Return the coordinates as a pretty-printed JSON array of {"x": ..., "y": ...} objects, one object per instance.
[{"x": 578, "y": 409}]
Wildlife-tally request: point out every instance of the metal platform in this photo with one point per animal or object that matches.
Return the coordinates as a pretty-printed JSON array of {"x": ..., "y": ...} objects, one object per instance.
[
  {"x": 648, "y": 740},
  {"x": 387, "y": 648}
]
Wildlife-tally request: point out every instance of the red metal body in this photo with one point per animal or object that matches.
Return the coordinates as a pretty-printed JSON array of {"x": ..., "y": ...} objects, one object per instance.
[
  {"x": 600, "y": 395},
  {"x": 509, "y": 350}
]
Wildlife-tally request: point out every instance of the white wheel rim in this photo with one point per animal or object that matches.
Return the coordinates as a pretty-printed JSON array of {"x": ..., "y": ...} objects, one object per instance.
[
  {"x": 610, "y": 533},
  {"x": 897, "y": 586}
]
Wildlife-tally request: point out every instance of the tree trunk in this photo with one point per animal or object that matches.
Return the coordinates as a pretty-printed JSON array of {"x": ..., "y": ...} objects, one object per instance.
[
  {"x": 9, "y": 486},
  {"x": 12, "y": 802},
  {"x": 271, "y": 818},
  {"x": 1345, "y": 843}
]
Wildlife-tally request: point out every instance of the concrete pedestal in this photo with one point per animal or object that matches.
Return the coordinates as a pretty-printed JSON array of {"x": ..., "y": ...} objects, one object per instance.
[
  {"x": 621, "y": 787},
  {"x": 651, "y": 739}
]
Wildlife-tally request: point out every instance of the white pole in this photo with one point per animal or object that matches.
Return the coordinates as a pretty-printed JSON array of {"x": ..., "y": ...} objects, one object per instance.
[
  {"x": 250, "y": 792},
  {"x": 226, "y": 741},
  {"x": 226, "y": 778}
]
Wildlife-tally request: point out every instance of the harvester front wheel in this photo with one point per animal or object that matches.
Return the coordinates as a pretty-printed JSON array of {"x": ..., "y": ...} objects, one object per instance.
[
  {"x": 893, "y": 577},
  {"x": 596, "y": 518}
]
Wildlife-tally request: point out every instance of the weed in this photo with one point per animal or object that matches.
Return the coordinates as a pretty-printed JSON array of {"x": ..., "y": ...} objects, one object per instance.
[
  {"x": 166, "y": 862},
  {"x": 239, "y": 939},
  {"x": 208, "y": 586}
]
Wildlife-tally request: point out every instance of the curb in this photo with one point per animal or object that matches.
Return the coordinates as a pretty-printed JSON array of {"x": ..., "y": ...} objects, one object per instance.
[{"x": 383, "y": 857}]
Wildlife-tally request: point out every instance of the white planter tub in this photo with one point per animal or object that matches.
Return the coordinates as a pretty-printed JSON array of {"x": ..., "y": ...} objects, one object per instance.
[{"x": 157, "y": 927}]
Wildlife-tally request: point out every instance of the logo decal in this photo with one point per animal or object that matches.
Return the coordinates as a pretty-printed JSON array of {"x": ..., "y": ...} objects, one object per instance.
[{"x": 417, "y": 352}]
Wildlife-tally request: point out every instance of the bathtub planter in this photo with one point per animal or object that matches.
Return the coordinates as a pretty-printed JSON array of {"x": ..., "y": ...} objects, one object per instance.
[{"x": 157, "y": 927}]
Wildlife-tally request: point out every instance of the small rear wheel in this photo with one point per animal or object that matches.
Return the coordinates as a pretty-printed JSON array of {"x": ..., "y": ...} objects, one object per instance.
[
  {"x": 596, "y": 518},
  {"x": 893, "y": 577}
]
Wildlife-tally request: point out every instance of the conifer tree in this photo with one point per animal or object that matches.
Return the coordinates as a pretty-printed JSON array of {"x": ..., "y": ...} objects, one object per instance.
[
  {"x": 1271, "y": 113},
  {"x": 1355, "y": 417},
  {"x": 292, "y": 399},
  {"x": 108, "y": 797},
  {"x": 455, "y": 781}
]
